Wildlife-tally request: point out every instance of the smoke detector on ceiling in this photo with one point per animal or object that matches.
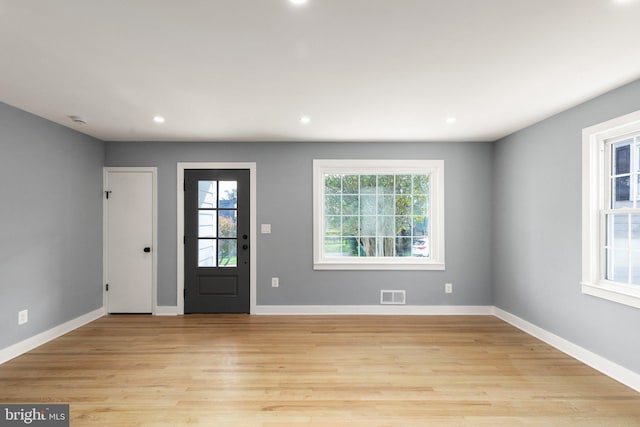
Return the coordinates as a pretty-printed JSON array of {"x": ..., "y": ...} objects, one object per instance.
[{"x": 78, "y": 119}]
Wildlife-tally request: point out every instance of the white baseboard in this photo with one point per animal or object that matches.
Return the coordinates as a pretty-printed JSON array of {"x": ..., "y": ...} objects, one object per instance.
[
  {"x": 397, "y": 310},
  {"x": 607, "y": 367},
  {"x": 29, "y": 344},
  {"x": 166, "y": 310}
]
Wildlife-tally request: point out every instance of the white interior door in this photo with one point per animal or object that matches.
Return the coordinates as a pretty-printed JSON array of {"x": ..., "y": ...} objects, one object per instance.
[{"x": 129, "y": 238}]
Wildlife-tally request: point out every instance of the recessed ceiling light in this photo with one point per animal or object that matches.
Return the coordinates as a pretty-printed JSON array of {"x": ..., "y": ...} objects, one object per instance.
[
  {"x": 451, "y": 120},
  {"x": 158, "y": 119},
  {"x": 305, "y": 120},
  {"x": 298, "y": 2}
]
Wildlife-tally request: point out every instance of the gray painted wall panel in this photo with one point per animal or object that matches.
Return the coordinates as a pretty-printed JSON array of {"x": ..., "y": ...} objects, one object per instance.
[
  {"x": 284, "y": 200},
  {"x": 537, "y": 224},
  {"x": 50, "y": 224}
]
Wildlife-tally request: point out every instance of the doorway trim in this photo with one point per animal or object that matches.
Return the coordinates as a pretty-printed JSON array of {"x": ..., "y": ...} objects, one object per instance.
[
  {"x": 154, "y": 232},
  {"x": 182, "y": 166}
]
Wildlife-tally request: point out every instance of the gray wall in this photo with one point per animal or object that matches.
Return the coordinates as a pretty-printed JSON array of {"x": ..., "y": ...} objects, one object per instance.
[
  {"x": 50, "y": 224},
  {"x": 284, "y": 175},
  {"x": 537, "y": 226}
]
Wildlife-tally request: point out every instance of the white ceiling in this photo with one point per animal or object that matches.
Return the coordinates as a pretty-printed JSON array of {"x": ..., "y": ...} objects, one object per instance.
[{"x": 362, "y": 70}]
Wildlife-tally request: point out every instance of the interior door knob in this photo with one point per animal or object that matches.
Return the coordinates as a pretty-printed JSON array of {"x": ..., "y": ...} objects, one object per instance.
[{"x": 147, "y": 249}]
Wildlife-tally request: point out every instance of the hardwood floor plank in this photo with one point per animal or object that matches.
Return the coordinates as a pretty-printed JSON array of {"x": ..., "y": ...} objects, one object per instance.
[{"x": 273, "y": 371}]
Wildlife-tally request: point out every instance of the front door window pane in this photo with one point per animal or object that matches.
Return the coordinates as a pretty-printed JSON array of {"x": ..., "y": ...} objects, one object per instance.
[
  {"x": 207, "y": 194},
  {"x": 206, "y": 253},
  {"x": 217, "y": 223},
  {"x": 228, "y": 194},
  {"x": 228, "y": 224},
  {"x": 227, "y": 253},
  {"x": 207, "y": 223}
]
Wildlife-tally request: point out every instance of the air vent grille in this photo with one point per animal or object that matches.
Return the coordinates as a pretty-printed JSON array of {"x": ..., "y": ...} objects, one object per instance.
[{"x": 392, "y": 297}]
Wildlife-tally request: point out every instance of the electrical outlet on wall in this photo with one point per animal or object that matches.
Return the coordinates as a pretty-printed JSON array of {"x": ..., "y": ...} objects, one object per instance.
[
  {"x": 448, "y": 288},
  {"x": 23, "y": 317},
  {"x": 275, "y": 282}
]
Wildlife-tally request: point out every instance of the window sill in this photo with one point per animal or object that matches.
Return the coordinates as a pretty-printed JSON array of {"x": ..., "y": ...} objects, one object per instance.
[
  {"x": 613, "y": 292},
  {"x": 378, "y": 266}
]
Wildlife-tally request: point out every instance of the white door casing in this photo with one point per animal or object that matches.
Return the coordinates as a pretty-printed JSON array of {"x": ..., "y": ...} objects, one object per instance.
[{"x": 130, "y": 224}]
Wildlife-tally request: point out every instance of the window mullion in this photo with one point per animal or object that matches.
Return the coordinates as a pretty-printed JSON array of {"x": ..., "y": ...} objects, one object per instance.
[{"x": 629, "y": 259}]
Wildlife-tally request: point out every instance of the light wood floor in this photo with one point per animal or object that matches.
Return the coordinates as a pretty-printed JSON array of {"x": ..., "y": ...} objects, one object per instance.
[{"x": 314, "y": 371}]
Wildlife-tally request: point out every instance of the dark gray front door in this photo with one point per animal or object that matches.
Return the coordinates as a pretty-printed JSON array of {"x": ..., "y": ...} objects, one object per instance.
[{"x": 216, "y": 241}]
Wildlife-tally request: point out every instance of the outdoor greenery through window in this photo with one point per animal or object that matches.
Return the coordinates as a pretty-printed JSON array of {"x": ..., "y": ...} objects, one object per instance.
[{"x": 378, "y": 214}]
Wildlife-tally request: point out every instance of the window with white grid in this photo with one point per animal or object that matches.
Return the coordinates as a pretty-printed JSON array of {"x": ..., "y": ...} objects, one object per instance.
[
  {"x": 611, "y": 210},
  {"x": 374, "y": 214}
]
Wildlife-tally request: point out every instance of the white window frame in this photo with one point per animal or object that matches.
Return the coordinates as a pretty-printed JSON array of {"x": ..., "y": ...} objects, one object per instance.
[
  {"x": 594, "y": 203},
  {"x": 433, "y": 168}
]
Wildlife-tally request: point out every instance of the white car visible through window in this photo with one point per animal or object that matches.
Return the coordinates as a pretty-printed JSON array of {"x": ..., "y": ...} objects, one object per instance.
[{"x": 420, "y": 247}]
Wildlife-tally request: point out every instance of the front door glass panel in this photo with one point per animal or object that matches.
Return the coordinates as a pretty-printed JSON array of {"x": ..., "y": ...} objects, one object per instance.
[{"x": 217, "y": 223}]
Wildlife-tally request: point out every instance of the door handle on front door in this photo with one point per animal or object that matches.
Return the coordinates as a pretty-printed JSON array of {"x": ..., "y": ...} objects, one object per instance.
[{"x": 245, "y": 247}]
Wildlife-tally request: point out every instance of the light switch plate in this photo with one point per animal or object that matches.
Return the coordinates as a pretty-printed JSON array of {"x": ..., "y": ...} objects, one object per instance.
[{"x": 265, "y": 228}]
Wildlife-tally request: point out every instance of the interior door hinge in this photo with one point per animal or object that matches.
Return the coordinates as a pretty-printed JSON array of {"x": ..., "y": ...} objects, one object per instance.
[
  {"x": 107, "y": 192},
  {"x": 107, "y": 287},
  {"x": 184, "y": 185},
  {"x": 184, "y": 293},
  {"x": 184, "y": 240}
]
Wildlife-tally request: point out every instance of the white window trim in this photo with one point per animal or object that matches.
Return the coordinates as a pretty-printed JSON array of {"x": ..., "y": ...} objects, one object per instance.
[
  {"x": 435, "y": 168},
  {"x": 593, "y": 201}
]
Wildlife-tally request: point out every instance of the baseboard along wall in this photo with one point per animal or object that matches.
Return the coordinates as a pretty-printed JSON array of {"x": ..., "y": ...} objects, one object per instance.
[{"x": 29, "y": 344}]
